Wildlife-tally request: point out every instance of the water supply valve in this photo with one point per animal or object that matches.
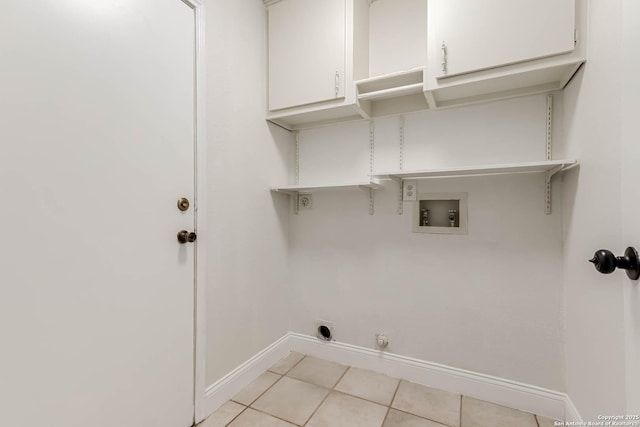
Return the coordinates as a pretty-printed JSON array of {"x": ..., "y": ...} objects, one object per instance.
[{"x": 382, "y": 340}]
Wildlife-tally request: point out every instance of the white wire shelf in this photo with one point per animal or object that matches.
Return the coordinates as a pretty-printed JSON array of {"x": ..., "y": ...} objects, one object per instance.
[
  {"x": 295, "y": 189},
  {"x": 551, "y": 166}
]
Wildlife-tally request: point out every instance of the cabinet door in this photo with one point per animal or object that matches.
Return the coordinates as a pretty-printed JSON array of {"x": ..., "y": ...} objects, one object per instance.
[
  {"x": 480, "y": 34},
  {"x": 306, "y": 52}
]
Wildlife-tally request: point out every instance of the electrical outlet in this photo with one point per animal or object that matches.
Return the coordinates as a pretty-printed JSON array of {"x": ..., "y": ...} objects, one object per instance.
[
  {"x": 409, "y": 191},
  {"x": 305, "y": 202}
]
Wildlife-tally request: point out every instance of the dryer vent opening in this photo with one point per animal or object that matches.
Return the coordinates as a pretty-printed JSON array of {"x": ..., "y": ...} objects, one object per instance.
[{"x": 324, "y": 333}]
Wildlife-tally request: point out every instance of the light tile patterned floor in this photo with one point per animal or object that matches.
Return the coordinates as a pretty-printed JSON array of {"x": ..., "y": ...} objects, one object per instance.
[{"x": 310, "y": 392}]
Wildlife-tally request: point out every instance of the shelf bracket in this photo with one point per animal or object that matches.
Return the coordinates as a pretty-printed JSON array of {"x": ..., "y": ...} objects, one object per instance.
[
  {"x": 401, "y": 161},
  {"x": 549, "y": 151},
  {"x": 547, "y": 178},
  {"x": 431, "y": 100},
  {"x": 371, "y": 201}
]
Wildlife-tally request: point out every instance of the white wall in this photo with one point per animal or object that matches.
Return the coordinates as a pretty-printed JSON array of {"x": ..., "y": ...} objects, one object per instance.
[
  {"x": 492, "y": 301},
  {"x": 592, "y": 215},
  {"x": 397, "y": 36},
  {"x": 489, "y": 301},
  {"x": 247, "y": 250}
]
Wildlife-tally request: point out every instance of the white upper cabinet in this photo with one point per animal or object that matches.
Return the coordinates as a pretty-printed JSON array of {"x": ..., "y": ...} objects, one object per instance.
[
  {"x": 472, "y": 35},
  {"x": 306, "y": 52},
  {"x": 317, "y": 48},
  {"x": 342, "y": 60},
  {"x": 480, "y": 50}
]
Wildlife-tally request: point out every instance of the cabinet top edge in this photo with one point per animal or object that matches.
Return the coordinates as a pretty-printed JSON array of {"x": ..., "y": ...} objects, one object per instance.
[
  {"x": 272, "y": 2},
  {"x": 389, "y": 76}
]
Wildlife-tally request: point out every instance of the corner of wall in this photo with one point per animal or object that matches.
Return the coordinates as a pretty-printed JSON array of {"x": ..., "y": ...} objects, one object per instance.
[{"x": 248, "y": 265}]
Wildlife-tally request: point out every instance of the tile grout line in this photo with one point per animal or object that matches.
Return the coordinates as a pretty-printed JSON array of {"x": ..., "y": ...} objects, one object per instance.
[
  {"x": 318, "y": 407},
  {"x": 341, "y": 377},
  {"x": 421, "y": 417},
  {"x": 391, "y": 403},
  {"x": 358, "y": 397},
  {"x": 328, "y": 394},
  {"x": 275, "y": 416},
  {"x": 535, "y": 416},
  {"x": 271, "y": 386},
  {"x": 236, "y": 417},
  {"x": 317, "y": 385},
  {"x": 304, "y": 356},
  {"x": 345, "y": 393},
  {"x": 333, "y": 390},
  {"x": 266, "y": 390},
  {"x": 261, "y": 394}
]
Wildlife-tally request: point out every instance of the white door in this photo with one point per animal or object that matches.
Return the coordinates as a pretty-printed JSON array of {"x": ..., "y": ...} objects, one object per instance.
[
  {"x": 96, "y": 146},
  {"x": 306, "y": 52},
  {"x": 630, "y": 194},
  {"x": 489, "y": 33}
]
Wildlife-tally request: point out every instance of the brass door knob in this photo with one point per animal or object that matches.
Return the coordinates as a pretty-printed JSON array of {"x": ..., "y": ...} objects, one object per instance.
[
  {"x": 183, "y": 204},
  {"x": 185, "y": 237}
]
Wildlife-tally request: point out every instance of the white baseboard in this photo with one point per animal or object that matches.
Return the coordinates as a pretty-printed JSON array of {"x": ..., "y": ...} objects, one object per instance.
[
  {"x": 572, "y": 413},
  {"x": 528, "y": 398},
  {"x": 229, "y": 385},
  {"x": 516, "y": 395}
]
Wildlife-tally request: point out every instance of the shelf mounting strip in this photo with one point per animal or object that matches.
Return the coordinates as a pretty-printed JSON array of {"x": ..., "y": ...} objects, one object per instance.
[
  {"x": 371, "y": 159},
  {"x": 401, "y": 162},
  {"x": 296, "y": 200},
  {"x": 549, "y": 174}
]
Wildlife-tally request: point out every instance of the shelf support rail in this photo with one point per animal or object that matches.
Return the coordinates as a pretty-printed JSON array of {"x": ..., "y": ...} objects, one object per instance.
[
  {"x": 401, "y": 161},
  {"x": 296, "y": 199},
  {"x": 371, "y": 159},
  {"x": 549, "y": 174}
]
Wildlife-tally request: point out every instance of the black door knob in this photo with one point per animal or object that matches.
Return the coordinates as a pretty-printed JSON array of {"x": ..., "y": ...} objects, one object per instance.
[
  {"x": 606, "y": 262},
  {"x": 184, "y": 236}
]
